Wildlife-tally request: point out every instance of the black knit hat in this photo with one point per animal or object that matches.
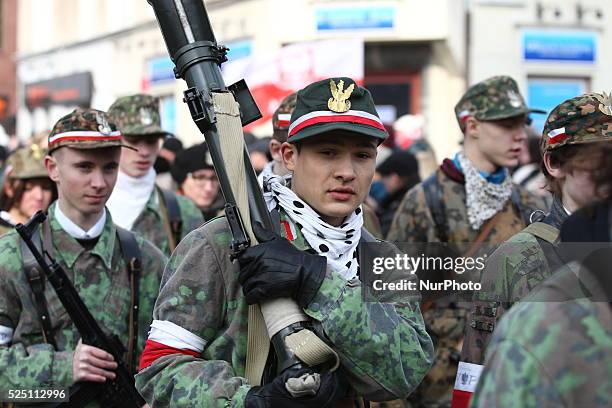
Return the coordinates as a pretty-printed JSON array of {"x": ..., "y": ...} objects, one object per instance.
[
  {"x": 401, "y": 162},
  {"x": 335, "y": 104},
  {"x": 190, "y": 160}
]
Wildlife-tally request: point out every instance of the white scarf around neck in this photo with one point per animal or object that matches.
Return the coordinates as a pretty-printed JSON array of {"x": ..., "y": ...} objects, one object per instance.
[
  {"x": 337, "y": 244},
  {"x": 130, "y": 197},
  {"x": 483, "y": 199}
]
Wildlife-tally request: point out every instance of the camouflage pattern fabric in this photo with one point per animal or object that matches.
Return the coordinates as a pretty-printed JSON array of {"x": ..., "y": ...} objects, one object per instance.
[
  {"x": 26, "y": 163},
  {"x": 583, "y": 119},
  {"x": 150, "y": 223},
  {"x": 554, "y": 349},
  {"x": 99, "y": 275},
  {"x": 413, "y": 223},
  {"x": 384, "y": 348},
  {"x": 512, "y": 271},
  {"x": 137, "y": 115},
  {"x": 492, "y": 99},
  {"x": 66, "y": 132}
]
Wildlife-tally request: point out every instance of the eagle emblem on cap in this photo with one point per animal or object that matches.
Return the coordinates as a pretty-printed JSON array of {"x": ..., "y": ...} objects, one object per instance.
[
  {"x": 103, "y": 126},
  {"x": 145, "y": 117},
  {"x": 605, "y": 105},
  {"x": 339, "y": 101}
]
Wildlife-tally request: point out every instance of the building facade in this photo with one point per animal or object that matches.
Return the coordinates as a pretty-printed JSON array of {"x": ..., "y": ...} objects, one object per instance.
[{"x": 8, "y": 47}]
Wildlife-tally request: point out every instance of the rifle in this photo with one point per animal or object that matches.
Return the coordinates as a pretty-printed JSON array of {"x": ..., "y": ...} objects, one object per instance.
[
  {"x": 120, "y": 392},
  {"x": 220, "y": 111}
]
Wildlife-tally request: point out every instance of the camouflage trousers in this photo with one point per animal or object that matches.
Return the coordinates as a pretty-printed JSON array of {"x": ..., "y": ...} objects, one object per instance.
[{"x": 446, "y": 328}]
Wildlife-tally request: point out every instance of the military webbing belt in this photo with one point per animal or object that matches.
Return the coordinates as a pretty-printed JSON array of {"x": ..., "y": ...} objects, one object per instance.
[{"x": 311, "y": 350}]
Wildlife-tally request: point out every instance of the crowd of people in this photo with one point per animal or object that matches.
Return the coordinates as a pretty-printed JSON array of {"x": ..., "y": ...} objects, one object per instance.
[{"x": 537, "y": 334}]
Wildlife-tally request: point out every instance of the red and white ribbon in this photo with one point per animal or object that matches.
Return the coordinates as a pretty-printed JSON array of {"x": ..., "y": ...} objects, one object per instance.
[
  {"x": 166, "y": 338},
  {"x": 556, "y": 135},
  {"x": 84, "y": 135},
  {"x": 351, "y": 116},
  {"x": 466, "y": 380},
  {"x": 283, "y": 120}
]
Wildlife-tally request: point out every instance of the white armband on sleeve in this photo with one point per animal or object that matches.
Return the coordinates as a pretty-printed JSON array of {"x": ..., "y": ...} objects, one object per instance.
[{"x": 6, "y": 335}]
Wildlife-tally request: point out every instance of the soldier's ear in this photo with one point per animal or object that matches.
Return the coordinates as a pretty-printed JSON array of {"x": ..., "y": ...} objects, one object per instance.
[
  {"x": 289, "y": 153},
  {"x": 52, "y": 169},
  {"x": 554, "y": 169},
  {"x": 472, "y": 127}
]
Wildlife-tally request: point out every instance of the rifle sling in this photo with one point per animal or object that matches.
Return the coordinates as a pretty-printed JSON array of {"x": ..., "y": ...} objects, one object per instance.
[
  {"x": 36, "y": 280},
  {"x": 133, "y": 260}
]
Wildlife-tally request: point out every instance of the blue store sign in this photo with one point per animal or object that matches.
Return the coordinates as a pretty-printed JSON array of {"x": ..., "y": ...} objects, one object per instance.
[
  {"x": 539, "y": 45},
  {"x": 355, "y": 18},
  {"x": 160, "y": 69}
]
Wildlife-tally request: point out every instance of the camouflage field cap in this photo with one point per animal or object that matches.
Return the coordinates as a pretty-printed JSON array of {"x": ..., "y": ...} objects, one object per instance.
[
  {"x": 137, "y": 115},
  {"x": 495, "y": 98},
  {"x": 282, "y": 117},
  {"x": 26, "y": 163},
  {"x": 583, "y": 119},
  {"x": 84, "y": 129},
  {"x": 336, "y": 104}
]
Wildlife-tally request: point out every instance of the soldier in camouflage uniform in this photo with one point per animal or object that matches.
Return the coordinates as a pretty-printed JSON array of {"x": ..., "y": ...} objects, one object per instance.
[
  {"x": 554, "y": 348},
  {"x": 469, "y": 198},
  {"x": 81, "y": 236},
  {"x": 574, "y": 132},
  {"x": 27, "y": 187},
  {"x": 137, "y": 203},
  {"x": 196, "y": 353}
]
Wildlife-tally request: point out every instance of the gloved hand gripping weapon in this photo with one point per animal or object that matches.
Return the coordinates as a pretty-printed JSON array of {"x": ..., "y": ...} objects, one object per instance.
[{"x": 219, "y": 113}]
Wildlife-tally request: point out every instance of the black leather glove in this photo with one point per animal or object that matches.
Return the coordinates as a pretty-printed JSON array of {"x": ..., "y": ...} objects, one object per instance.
[
  {"x": 274, "y": 395},
  {"x": 275, "y": 268}
]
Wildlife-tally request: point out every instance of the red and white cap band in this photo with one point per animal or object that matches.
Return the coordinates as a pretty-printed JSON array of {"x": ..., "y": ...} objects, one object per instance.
[
  {"x": 556, "y": 135},
  {"x": 283, "y": 120},
  {"x": 84, "y": 135},
  {"x": 466, "y": 380},
  {"x": 463, "y": 115},
  {"x": 351, "y": 116}
]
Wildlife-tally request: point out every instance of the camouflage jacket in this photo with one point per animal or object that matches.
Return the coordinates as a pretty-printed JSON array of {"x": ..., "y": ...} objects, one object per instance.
[
  {"x": 554, "y": 349},
  {"x": 414, "y": 223},
  {"x": 382, "y": 345},
  {"x": 99, "y": 275},
  {"x": 152, "y": 221},
  {"x": 510, "y": 274}
]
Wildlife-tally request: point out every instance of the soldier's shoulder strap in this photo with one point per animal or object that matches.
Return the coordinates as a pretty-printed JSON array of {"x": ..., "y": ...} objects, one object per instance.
[
  {"x": 435, "y": 202},
  {"x": 133, "y": 259},
  {"x": 544, "y": 231},
  {"x": 36, "y": 280},
  {"x": 173, "y": 210},
  {"x": 522, "y": 209}
]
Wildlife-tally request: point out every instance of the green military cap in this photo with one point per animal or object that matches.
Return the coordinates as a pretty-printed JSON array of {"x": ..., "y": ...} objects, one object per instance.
[
  {"x": 84, "y": 129},
  {"x": 26, "y": 163},
  {"x": 495, "y": 98},
  {"x": 583, "y": 119},
  {"x": 335, "y": 104},
  {"x": 137, "y": 115},
  {"x": 282, "y": 117}
]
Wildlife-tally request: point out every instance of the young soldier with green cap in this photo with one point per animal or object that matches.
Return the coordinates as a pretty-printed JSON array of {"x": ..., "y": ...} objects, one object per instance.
[
  {"x": 574, "y": 133},
  {"x": 137, "y": 204},
  {"x": 26, "y": 189},
  {"x": 196, "y": 352},
  {"x": 469, "y": 199},
  {"x": 39, "y": 344}
]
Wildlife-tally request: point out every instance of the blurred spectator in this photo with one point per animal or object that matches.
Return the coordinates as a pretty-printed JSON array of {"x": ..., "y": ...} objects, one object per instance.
[
  {"x": 529, "y": 173},
  {"x": 258, "y": 152},
  {"x": 27, "y": 187},
  {"x": 195, "y": 176},
  {"x": 399, "y": 172},
  {"x": 171, "y": 147},
  {"x": 280, "y": 125},
  {"x": 409, "y": 133}
]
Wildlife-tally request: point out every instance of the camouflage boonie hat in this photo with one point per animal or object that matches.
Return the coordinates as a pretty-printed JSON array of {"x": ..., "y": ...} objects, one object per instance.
[
  {"x": 583, "y": 119},
  {"x": 282, "y": 117},
  {"x": 137, "y": 115},
  {"x": 495, "y": 98},
  {"x": 26, "y": 163},
  {"x": 335, "y": 104},
  {"x": 84, "y": 129}
]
